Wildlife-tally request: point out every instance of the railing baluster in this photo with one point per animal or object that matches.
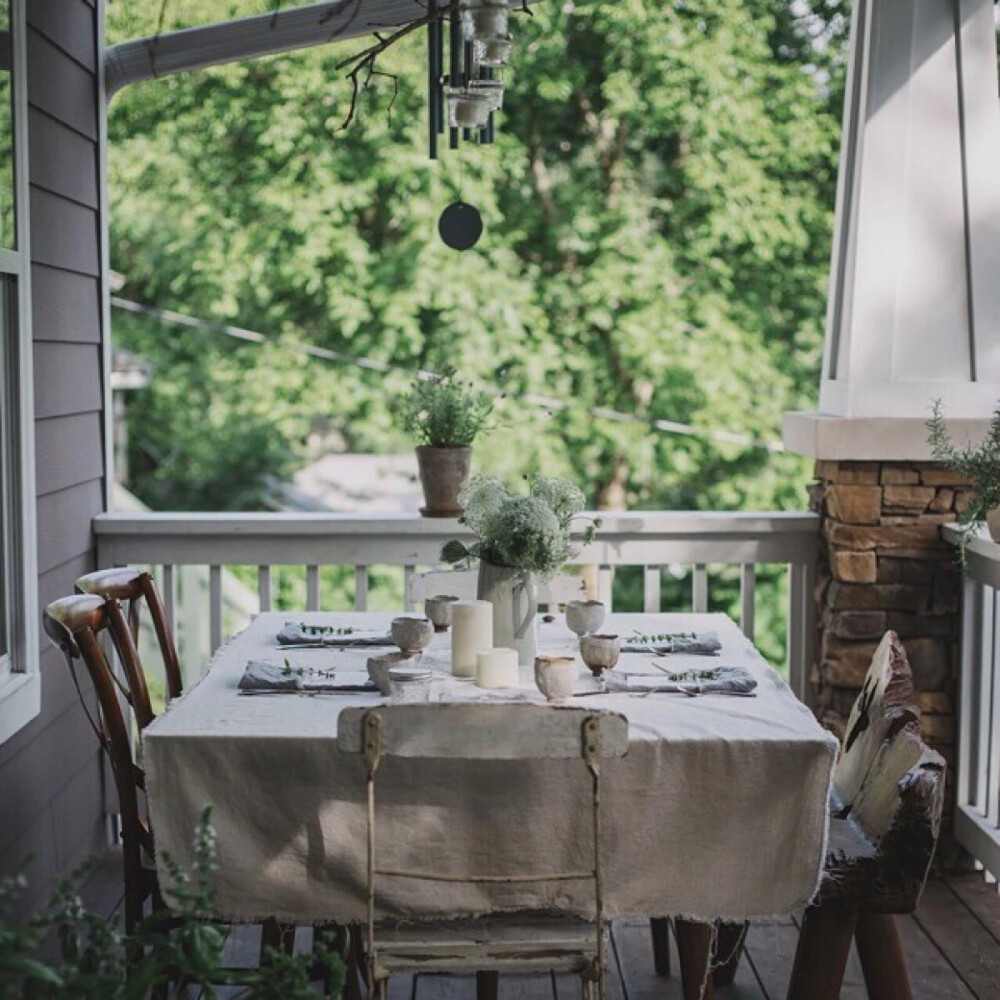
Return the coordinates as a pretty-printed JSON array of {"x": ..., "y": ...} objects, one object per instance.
[
  {"x": 964, "y": 793},
  {"x": 796, "y": 645},
  {"x": 606, "y": 586},
  {"x": 264, "y": 587},
  {"x": 408, "y": 572},
  {"x": 170, "y": 599},
  {"x": 699, "y": 589},
  {"x": 215, "y": 607},
  {"x": 360, "y": 588},
  {"x": 748, "y": 595},
  {"x": 651, "y": 589},
  {"x": 312, "y": 588},
  {"x": 992, "y": 747},
  {"x": 984, "y": 699}
]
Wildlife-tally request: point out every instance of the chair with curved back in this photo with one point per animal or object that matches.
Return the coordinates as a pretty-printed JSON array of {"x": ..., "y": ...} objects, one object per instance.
[
  {"x": 125, "y": 584},
  {"x": 76, "y": 625}
]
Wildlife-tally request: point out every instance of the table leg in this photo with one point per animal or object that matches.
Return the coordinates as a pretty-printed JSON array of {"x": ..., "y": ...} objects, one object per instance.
[
  {"x": 694, "y": 944},
  {"x": 659, "y": 929}
]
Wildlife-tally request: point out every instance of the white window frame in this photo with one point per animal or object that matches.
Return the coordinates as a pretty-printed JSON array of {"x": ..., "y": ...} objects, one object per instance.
[{"x": 20, "y": 677}]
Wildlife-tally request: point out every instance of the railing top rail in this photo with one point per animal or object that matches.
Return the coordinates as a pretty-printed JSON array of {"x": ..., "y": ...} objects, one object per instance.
[{"x": 284, "y": 524}]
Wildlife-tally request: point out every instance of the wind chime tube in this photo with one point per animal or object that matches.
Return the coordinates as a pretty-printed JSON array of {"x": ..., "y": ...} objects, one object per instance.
[
  {"x": 455, "y": 67},
  {"x": 433, "y": 27},
  {"x": 467, "y": 70},
  {"x": 439, "y": 75},
  {"x": 486, "y": 134}
]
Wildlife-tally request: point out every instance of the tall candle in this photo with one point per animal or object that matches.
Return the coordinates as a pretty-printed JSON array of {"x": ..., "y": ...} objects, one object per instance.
[
  {"x": 497, "y": 668},
  {"x": 471, "y": 631}
]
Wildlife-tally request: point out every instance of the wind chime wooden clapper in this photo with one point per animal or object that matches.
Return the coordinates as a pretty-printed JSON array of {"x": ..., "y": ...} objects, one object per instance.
[{"x": 466, "y": 98}]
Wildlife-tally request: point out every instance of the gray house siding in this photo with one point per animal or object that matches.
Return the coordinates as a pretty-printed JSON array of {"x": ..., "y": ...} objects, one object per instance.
[{"x": 50, "y": 772}]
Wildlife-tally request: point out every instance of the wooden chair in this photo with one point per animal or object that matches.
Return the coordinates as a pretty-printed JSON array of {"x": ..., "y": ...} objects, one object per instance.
[
  {"x": 76, "y": 625},
  {"x": 885, "y": 777},
  {"x": 887, "y": 804},
  {"x": 134, "y": 586},
  {"x": 485, "y": 732},
  {"x": 562, "y": 588}
]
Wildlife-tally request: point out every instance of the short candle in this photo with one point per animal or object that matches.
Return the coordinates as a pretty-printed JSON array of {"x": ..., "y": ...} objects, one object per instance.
[
  {"x": 497, "y": 668},
  {"x": 471, "y": 631}
]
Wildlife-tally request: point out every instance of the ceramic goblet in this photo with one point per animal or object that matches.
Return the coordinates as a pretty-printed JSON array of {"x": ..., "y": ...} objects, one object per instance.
[
  {"x": 438, "y": 609},
  {"x": 412, "y": 635},
  {"x": 600, "y": 653},
  {"x": 555, "y": 676},
  {"x": 584, "y": 617}
]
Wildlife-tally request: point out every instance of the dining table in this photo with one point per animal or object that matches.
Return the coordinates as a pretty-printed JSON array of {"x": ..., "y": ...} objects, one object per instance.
[{"x": 719, "y": 809}]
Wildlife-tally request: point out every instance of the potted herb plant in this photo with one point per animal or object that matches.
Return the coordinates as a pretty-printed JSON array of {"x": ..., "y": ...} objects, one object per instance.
[
  {"x": 444, "y": 416},
  {"x": 521, "y": 539},
  {"x": 980, "y": 464}
]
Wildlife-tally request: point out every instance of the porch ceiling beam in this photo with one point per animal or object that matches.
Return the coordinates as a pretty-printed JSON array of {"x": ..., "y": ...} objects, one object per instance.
[{"x": 250, "y": 37}]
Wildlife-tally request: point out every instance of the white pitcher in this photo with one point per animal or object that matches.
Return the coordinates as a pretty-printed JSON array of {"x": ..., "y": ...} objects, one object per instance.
[{"x": 514, "y": 596}]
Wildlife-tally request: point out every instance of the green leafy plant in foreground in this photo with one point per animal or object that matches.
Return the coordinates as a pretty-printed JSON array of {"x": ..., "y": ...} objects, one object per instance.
[
  {"x": 445, "y": 412},
  {"x": 980, "y": 464},
  {"x": 65, "y": 952}
]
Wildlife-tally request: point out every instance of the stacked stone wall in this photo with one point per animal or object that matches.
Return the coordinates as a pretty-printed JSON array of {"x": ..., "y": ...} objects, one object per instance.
[{"x": 884, "y": 565}]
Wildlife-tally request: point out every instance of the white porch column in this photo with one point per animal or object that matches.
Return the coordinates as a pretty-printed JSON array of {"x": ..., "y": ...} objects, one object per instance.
[{"x": 914, "y": 306}]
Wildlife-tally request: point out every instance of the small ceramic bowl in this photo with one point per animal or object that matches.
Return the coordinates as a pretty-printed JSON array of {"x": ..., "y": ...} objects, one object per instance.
[
  {"x": 556, "y": 676},
  {"x": 600, "y": 652},
  {"x": 438, "y": 609},
  {"x": 379, "y": 667},
  {"x": 583, "y": 617},
  {"x": 411, "y": 634}
]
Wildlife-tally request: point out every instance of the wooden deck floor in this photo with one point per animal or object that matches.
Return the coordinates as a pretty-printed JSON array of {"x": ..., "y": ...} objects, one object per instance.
[{"x": 952, "y": 945}]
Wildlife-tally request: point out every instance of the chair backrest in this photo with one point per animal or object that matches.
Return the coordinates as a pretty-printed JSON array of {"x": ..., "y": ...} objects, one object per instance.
[
  {"x": 885, "y": 706},
  {"x": 135, "y": 585},
  {"x": 482, "y": 732},
  {"x": 75, "y": 625},
  {"x": 561, "y": 589}
]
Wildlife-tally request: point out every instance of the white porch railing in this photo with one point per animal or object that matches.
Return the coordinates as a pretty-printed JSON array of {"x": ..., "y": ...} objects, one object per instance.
[
  {"x": 977, "y": 806},
  {"x": 647, "y": 539}
]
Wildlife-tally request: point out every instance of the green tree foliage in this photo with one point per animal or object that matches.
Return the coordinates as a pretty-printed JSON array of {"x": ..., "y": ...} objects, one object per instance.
[{"x": 657, "y": 210}]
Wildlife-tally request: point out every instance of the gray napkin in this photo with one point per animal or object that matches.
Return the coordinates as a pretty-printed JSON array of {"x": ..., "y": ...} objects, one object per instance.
[
  {"x": 703, "y": 644},
  {"x": 262, "y": 676},
  {"x": 300, "y": 634},
  {"x": 714, "y": 680}
]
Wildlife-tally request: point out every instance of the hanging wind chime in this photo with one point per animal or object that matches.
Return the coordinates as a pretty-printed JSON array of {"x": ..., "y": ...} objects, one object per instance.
[{"x": 469, "y": 95}]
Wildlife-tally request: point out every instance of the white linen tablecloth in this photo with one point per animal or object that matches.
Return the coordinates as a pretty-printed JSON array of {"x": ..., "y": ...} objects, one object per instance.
[{"x": 719, "y": 808}]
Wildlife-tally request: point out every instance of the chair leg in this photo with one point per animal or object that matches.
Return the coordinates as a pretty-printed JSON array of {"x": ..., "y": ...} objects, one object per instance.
[
  {"x": 659, "y": 929},
  {"x": 488, "y": 985},
  {"x": 821, "y": 955},
  {"x": 279, "y": 937},
  {"x": 694, "y": 945},
  {"x": 729, "y": 940},
  {"x": 881, "y": 955}
]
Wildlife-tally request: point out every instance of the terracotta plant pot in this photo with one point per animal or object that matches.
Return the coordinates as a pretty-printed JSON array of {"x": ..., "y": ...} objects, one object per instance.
[
  {"x": 443, "y": 473},
  {"x": 993, "y": 523}
]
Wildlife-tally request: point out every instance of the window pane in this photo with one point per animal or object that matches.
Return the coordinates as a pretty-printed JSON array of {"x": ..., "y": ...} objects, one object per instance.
[{"x": 7, "y": 233}]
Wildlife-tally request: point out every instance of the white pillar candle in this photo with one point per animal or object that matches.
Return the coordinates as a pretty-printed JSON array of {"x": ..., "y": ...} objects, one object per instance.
[
  {"x": 497, "y": 668},
  {"x": 471, "y": 631}
]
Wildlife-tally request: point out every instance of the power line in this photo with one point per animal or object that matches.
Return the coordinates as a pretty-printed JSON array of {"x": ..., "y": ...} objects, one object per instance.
[{"x": 169, "y": 316}]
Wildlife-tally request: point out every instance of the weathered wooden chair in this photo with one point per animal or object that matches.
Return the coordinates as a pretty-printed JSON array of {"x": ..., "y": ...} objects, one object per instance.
[
  {"x": 886, "y": 803},
  {"x": 134, "y": 586},
  {"x": 76, "y": 625},
  {"x": 486, "y": 732}
]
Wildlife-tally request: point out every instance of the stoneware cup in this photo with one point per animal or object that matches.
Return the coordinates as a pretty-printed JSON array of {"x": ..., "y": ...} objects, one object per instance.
[
  {"x": 584, "y": 617},
  {"x": 411, "y": 634},
  {"x": 556, "y": 676},
  {"x": 600, "y": 652},
  {"x": 438, "y": 609},
  {"x": 379, "y": 667}
]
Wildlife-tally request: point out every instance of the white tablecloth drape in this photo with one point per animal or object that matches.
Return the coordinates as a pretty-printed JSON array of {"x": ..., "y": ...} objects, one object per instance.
[{"x": 718, "y": 810}]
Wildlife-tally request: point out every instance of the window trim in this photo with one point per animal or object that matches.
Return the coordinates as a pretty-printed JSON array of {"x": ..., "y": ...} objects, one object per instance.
[{"x": 20, "y": 683}]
